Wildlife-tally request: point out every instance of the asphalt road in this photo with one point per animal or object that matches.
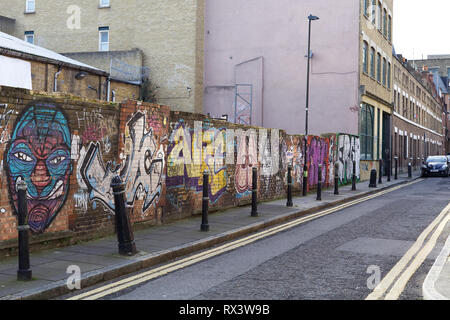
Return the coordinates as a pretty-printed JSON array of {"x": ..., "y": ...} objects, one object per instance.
[{"x": 327, "y": 258}]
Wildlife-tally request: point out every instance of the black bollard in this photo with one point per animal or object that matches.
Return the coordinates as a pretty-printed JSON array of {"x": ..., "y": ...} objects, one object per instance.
[
  {"x": 254, "y": 192},
  {"x": 380, "y": 181},
  {"x": 205, "y": 202},
  {"x": 354, "y": 176},
  {"x": 409, "y": 170},
  {"x": 319, "y": 185},
  {"x": 125, "y": 235},
  {"x": 396, "y": 169},
  {"x": 389, "y": 170},
  {"x": 336, "y": 179},
  {"x": 373, "y": 178},
  {"x": 24, "y": 272},
  {"x": 289, "y": 187}
]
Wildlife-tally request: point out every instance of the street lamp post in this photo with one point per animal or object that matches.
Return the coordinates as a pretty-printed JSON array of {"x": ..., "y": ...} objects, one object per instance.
[{"x": 305, "y": 167}]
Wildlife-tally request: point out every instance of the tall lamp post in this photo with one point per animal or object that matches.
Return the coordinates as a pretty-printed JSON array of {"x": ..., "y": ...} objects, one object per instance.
[{"x": 305, "y": 167}]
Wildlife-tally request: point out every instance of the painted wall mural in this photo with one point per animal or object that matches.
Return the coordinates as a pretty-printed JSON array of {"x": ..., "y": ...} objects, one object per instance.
[
  {"x": 348, "y": 149},
  {"x": 294, "y": 154},
  {"x": 141, "y": 169},
  {"x": 247, "y": 158},
  {"x": 321, "y": 151},
  {"x": 68, "y": 155},
  {"x": 39, "y": 154},
  {"x": 191, "y": 152}
]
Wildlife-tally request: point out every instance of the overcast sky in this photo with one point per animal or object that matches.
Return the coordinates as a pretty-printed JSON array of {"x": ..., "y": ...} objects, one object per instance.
[{"x": 421, "y": 27}]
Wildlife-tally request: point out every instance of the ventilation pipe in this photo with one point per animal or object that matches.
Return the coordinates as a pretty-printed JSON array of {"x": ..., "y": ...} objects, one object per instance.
[{"x": 55, "y": 87}]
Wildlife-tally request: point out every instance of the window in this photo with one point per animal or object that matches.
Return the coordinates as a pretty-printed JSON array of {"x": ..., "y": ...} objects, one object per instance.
[
  {"x": 405, "y": 107},
  {"x": 385, "y": 23},
  {"x": 30, "y": 6},
  {"x": 366, "y": 8},
  {"x": 372, "y": 62},
  {"x": 379, "y": 16},
  {"x": 104, "y": 3},
  {"x": 395, "y": 100},
  {"x": 29, "y": 36},
  {"x": 384, "y": 71},
  {"x": 390, "y": 29},
  {"x": 366, "y": 131},
  {"x": 378, "y": 67},
  {"x": 389, "y": 76},
  {"x": 365, "y": 62},
  {"x": 405, "y": 149},
  {"x": 103, "y": 38},
  {"x": 374, "y": 14}
]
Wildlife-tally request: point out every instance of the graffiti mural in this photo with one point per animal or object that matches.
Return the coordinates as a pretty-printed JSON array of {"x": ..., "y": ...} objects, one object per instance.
[
  {"x": 295, "y": 157},
  {"x": 159, "y": 154},
  {"x": 317, "y": 155},
  {"x": 5, "y": 116},
  {"x": 191, "y": 152},
  {"x": 348, "y": 150},
  {"x": 97, "y": 128},
  {"x": 39, "y": 154},
  {"x": 141, "y": 170},
  {"x": 246, "y": 160}
]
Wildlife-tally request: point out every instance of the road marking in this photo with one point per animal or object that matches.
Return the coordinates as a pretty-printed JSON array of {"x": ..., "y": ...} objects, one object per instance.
[
  {"x": 182, "y": 263},
  {"x": 387, "y": 281},
  {"x": 400, "y": 284},
  {"x": 429, "y": 290}
]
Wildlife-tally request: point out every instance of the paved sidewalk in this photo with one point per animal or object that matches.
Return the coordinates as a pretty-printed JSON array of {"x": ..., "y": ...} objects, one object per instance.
[
  {"x": 99, "y": 260},
  {"x": 437, "y": 283}
]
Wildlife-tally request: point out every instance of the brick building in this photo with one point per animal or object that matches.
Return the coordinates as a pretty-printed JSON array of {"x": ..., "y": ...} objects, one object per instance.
[
  {"x": 168, "y": 33},
  {"x": 31, "y": 67},
  {"x": 439, "y": 65},
  {"x": 417, "y": 121}
]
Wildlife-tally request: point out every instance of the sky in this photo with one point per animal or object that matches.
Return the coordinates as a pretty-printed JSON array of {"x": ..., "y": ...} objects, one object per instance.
[{"x": 421, "y": 27}]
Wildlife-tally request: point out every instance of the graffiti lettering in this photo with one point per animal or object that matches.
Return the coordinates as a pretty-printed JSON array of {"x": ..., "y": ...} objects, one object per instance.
[{"x": 142, "y": 169}]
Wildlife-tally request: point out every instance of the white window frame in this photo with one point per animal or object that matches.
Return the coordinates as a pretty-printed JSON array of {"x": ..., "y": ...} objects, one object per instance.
[
  {"x": 102, "y": 5},
  {"x": 29, "y": 34},
  {"x": 100, "y": 43},
  {"x": 27, "y": 6}
]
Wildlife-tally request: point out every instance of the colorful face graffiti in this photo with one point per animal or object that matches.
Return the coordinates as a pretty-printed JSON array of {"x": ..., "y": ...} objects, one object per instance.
[{"x": 39, "y": 154}]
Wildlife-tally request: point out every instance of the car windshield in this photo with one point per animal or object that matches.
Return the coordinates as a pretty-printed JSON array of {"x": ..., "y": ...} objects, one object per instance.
[{"x": 437, "y": 159}]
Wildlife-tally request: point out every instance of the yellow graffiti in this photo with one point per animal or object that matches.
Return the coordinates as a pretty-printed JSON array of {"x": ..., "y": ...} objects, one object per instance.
[
  {"x": 190, "y": 154},
  {"x": 213, "y": 160}
]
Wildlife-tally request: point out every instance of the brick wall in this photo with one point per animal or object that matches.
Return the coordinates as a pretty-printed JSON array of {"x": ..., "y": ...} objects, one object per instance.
[
  {"x": 124, "y": 91},
  {"x": 68, "y": 150}
]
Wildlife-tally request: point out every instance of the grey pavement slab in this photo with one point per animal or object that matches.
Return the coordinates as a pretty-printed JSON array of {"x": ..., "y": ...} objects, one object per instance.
[
  {"x": 443, "y": 282},
  {"x": 51, "y": 265},
  {"x": 93, "y": 259},
  {"x": 54, "y": 271}
]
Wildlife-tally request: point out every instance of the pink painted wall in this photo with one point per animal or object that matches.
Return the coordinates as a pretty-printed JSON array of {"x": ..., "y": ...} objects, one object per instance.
[{"x": 277, "y": 30}]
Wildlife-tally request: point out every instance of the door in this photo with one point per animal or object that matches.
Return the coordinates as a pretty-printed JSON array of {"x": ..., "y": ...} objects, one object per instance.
[{"x": 386, "y": 144}]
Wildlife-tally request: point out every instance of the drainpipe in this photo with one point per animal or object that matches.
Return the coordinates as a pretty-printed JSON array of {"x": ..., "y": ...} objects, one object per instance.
[
  {"x": 109, "y": 90},
  {"x": 114, "y": 96},
  {"x": 55, "y": 87}
]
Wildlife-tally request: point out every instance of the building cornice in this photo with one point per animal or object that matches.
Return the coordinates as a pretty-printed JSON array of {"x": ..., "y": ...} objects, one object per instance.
[{"x": 415, "y": 124}]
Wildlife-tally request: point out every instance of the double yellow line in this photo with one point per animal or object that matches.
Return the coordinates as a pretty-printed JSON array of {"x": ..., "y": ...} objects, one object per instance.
[
  {"x": 416, "y": 255},
  {"x": 185, "y": 262}
]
